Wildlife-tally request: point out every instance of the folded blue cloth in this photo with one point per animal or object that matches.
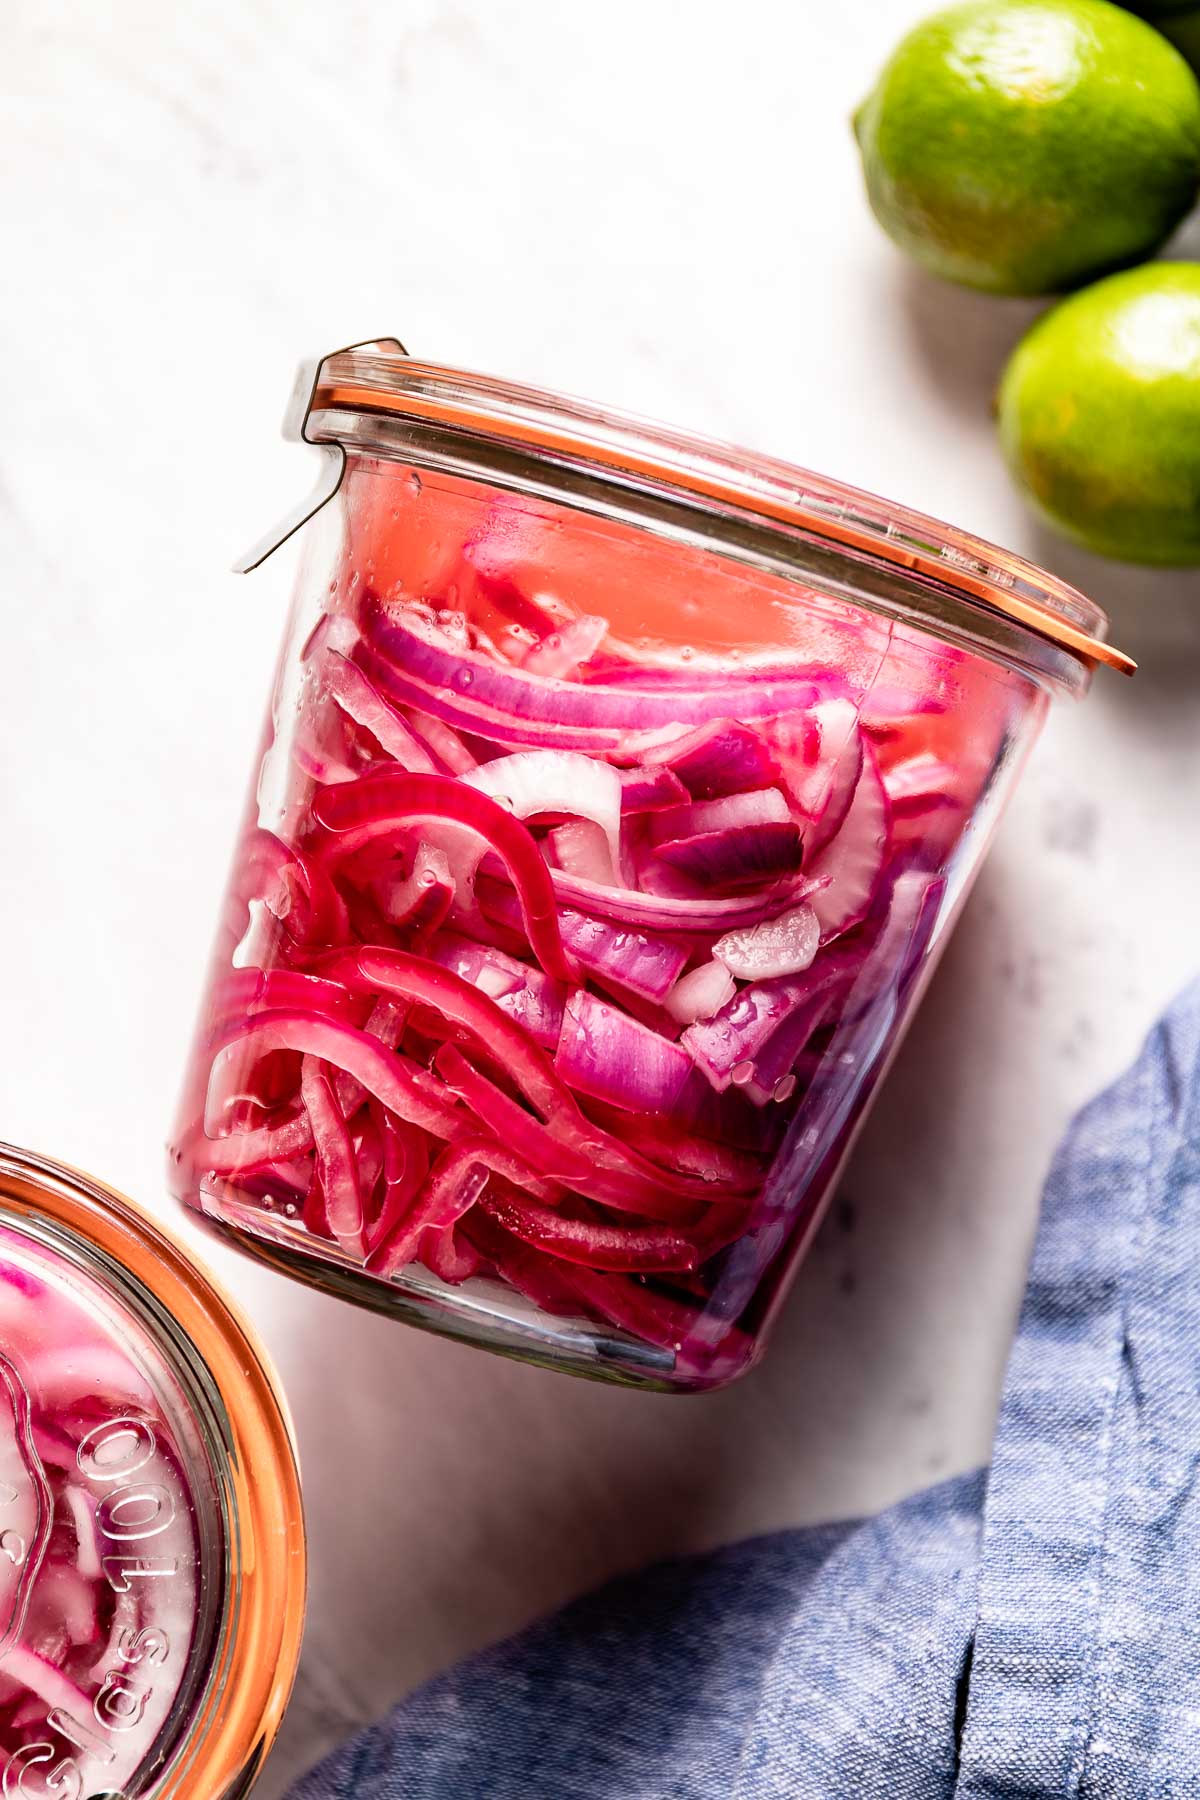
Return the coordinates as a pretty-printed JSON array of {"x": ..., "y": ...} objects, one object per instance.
[{"x": 1029, "y": 1632}]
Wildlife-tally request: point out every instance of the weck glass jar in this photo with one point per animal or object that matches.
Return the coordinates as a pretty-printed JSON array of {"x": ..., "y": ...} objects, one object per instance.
[
  {"x": 151, "y": 1539},
  {"x": 619, "y": 791}
]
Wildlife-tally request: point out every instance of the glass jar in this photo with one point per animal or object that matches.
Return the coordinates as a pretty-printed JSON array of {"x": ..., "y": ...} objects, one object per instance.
[
  {"x": 618, "y": 793},
  {"x": 151, "y": 1539}
]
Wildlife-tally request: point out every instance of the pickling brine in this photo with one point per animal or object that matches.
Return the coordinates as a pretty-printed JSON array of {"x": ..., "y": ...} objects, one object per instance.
[{"x": 594, "y": 863}]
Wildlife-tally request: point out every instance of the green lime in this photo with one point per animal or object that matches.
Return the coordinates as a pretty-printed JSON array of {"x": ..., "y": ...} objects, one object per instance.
[
  {"x": 1023, "y": 146},
  {"x": 1099, "y": 412}
]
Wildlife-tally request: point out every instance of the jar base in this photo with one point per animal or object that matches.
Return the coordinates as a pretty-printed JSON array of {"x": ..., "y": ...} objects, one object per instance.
[{"x": 481, "y": 1312}]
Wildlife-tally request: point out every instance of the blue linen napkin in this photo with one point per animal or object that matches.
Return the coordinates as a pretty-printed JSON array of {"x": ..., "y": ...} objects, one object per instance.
[{"x": 1026, "y": 1632}]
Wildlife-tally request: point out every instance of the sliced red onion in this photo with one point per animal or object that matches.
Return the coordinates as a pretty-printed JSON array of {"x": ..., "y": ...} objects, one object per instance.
[
  {"x": 782, "y": 946},
  {"x": 738, "y": 1032},
  {"x": 605, "y": 1053},
  {"x": 431, "y": 706},
  {"x": 821, "y": 739},
  {"x": 651, "y": 671},
  {"x": 321, "y": 749},
  {"x": 772, "y": 1077},
  {"x": 45, "y": 1679},
  {"x": 636, "y": 747},
  {"x": 510, "y": 539},
  {"x": 126, "y": 1614},
  {"x": 72, "y": 1505},
  {"x": 854, "y": 860},
  {"x": 738, "y": 856},
  {"x": 248, "y": 1152},
  {"x": 672, "y": 912},
  {"x": 442, "y": 741},
  {"x": 626, "y": 1303},
  {"x": 82, "y": 1508},
  {"x": 398, "y": 1085},
  {"x": 405, "y": 1168},
  {"x": 583, "y": 849},
  {"x": 914, "y": 906},
  {"x": 626, "y": 817},
  {"x": 562, "y": 651},
  {"x": 920, "y": 785},
  {"x": 455, "y": 1183},
  {"x": 494, "y": 973},
  {"x": 368, "y": 1151},
  {"x": 447, "y": 1254},
  {"x": 367, "y": 707},
  {"x": 846, "y": 776},
  {"x": 656, "y": 1018},
  {"x": 243, "y": 991},
  {"x": 524, "y": 993},
  {"x": 730, "y": 1170},
  {"x": 594, "y": 1246},
  {"x": 889, "y": 710},
  {"x": 386, "y": 1021},
  {"x": 507, "y": 1119},
  {"x": 378, "y": 806},
  {"x": 647, "y": 789},
  {"x": 536, "y": 783},
  {"x": 460, "y": 1005},
  {"x": 419, "y": 901},
  {"x": 296, "y": 888},
  {"x": 722, "y": 757},
  {"x": 337, "y": 1168},
  {"x": 647, "y": 966},
  {"x": 589, "y": 1171},
  {"x": 497, "y": 691},
  {"x": 885, "y": 967},
  {"x": 702, "y": 991},
  {"x": 759, "y": 806},
  {"x": 538, "y": 1277}
]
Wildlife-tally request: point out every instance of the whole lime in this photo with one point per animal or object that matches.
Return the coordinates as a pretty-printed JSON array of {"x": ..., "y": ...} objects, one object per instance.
[
  {"x": 1023, "y": 146},
  {"x": 1099, "y": 415}
]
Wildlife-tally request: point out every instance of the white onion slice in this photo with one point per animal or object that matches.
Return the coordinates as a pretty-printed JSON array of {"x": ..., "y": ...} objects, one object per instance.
[
  {"x": 555, "y": 781},
  {"x": 700, "y": 993},
  {"x": 782, "y": 946}
]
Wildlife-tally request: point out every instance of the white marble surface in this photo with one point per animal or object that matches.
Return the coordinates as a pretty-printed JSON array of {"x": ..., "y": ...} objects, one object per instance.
[{"x": 652, "y": 203}]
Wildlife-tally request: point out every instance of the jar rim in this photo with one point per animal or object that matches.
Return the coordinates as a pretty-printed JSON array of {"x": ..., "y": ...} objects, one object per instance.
[
  {"x": 378, "y": 377},
  {"x": 241, "y": 1706}
]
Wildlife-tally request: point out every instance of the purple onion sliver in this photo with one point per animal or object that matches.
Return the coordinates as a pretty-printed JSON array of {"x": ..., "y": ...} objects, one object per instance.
[
  {"x": 739, "y": 856},
  {"x": 755, "y": 806},
  {"x": 646, "y": 966},
  {"x": 855, "y": 860},
  {"x": 604, "y": 1053},
  {"x": 846, "y": 777},
  {"x": 722, "y": 757},
  {"x": 739, "y": 1031},
  {"x": 498, "y": 689},
  {"x": 524, "y": 992},
  {"x": 649, "y": 789}
]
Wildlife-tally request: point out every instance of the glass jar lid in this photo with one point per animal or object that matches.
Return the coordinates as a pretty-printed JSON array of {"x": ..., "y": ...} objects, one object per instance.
[
  {"x": 152, "y": 1566},
  {"x": 378, "y": 378}
]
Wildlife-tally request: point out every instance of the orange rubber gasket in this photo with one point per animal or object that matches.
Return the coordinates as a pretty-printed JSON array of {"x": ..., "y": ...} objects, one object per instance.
[{"x": 543, "y": 436}]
